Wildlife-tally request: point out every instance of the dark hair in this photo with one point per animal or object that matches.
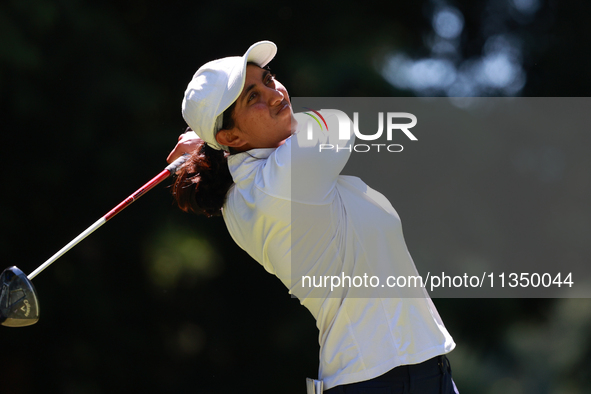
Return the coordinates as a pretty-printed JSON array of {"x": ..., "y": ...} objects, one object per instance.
[{"x": 203, "y": 181}]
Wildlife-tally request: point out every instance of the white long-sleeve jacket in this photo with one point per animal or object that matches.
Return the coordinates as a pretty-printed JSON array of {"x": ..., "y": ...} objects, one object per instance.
[{"x": 293, "y": 212}]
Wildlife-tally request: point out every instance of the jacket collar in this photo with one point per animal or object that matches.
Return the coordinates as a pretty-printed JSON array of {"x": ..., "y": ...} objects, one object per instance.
[{"x": 242, "y": 164}]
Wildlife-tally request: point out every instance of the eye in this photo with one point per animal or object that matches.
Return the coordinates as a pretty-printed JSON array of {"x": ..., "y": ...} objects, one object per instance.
[{"x": 270, "y": 78}]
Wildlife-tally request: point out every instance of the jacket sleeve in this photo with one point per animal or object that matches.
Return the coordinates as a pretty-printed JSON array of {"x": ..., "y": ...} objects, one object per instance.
[{"x": 306, "y": 167}]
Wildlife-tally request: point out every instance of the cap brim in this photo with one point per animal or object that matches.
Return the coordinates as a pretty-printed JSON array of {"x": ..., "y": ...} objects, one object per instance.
[{"x": 261, "y": 53}]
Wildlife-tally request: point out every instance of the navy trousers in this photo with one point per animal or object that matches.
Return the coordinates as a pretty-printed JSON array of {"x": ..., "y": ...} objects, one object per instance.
[{"x": 429, "y": 377}]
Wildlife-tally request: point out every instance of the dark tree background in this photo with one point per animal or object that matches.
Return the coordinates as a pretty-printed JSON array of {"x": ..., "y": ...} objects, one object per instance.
[{"x": 160, "y": 301}]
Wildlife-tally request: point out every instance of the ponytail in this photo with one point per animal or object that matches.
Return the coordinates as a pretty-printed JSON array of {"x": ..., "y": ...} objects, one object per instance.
[{"x": 203, "y": 181}]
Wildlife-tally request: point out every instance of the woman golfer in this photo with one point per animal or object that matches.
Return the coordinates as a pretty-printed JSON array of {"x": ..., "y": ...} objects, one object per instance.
[{"x": 285, "y": 203}]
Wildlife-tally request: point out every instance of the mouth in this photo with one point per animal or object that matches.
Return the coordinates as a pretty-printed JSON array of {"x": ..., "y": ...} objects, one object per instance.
[{"x": 283, "y": 106}]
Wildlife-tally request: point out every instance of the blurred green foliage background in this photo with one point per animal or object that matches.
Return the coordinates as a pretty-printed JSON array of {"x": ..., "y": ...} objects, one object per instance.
[{"x": 161, "y": 301}]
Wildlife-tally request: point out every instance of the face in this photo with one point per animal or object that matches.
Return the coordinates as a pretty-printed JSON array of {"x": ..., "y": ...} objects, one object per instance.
[{"x": 262, "y": 114}]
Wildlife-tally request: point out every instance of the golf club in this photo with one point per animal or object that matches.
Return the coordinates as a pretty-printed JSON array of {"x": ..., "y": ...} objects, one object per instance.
[{"x": 19, "y": 305}]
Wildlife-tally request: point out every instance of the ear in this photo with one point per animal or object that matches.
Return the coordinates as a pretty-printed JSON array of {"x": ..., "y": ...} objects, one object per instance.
[{"x": 231, "y": 137}]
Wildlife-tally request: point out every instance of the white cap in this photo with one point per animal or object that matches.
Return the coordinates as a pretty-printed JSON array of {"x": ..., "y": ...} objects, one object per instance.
[{"x": 216, "y": 85}]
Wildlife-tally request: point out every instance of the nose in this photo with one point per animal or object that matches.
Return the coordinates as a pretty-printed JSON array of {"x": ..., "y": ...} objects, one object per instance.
[{"x": 274, "y": 96}]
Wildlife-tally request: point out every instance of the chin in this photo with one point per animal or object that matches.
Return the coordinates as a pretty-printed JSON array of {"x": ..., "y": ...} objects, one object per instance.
[
  {"x": 293, "y": 123},
  {"x": 282, "y": 142}
]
